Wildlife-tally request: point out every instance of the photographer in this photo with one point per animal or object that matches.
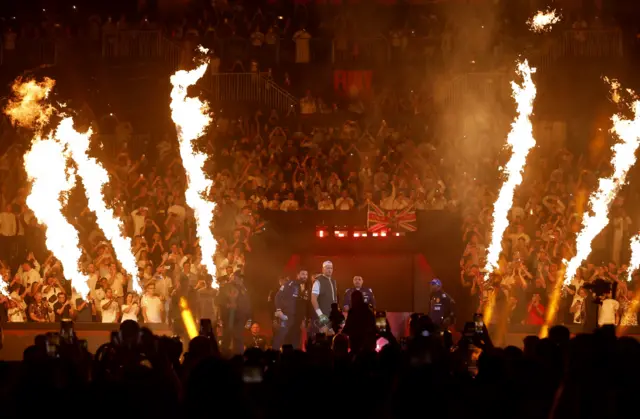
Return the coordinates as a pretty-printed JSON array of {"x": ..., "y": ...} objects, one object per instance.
[{"x": 39, "y": 309}]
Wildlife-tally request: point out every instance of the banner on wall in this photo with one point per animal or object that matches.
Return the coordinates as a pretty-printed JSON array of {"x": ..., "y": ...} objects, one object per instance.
[{"x": 352, "y": 82}]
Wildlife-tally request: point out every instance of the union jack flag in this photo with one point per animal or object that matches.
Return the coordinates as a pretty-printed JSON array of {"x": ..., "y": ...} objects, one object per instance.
[{"x": 378, "y": 219}]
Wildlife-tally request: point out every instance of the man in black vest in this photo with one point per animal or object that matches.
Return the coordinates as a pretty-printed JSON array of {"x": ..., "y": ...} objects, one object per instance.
[{"x": 324, "y": 293}]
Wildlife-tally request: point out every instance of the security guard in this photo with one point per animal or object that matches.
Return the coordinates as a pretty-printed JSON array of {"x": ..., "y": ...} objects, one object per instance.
[
  {"x": 367, "y": 294},
  {"x": 441, "y": 305},
  {"x": 289, "y": 313}
]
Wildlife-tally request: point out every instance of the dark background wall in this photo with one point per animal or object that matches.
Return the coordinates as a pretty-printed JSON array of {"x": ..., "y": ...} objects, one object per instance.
[{"x": 390, "y": 276}]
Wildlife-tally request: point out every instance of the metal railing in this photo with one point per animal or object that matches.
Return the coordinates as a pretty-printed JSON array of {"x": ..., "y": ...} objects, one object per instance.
[
  {"x": 138, "y": 44},
  {"x": 30, "y": 52},
  {"x": 479, "y": 86},
  {"x": 249, "y": 87},
  {"x": 588, "y": 43},
  {"x": 372, "y": 50},
  {"x": 592, "y": 43}
]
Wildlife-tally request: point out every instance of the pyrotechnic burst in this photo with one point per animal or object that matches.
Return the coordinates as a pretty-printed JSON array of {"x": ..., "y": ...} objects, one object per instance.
[
  {"x": 4, "y": 287},
  {"x": 634, "y": 264},
  {"x": 25, "y": 107},
  {"x": 521, "y": 141},
  {"x": 543, "y": 21},
  {"x": 628, "y": 131},
  {"x": 191, "y": 118},
  {"x": 94, "y": 177},
  {"x": 46, "y": 167}
]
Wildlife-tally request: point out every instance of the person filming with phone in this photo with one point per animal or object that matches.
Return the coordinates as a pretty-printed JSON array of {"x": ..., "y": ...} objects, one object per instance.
[{"x": 441, "y": 305}]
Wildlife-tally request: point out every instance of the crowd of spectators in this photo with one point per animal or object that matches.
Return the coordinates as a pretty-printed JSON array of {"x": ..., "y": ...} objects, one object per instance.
[
  {"x": 424, "y": 372},
  {"x": 544, "y": 222},
  {"x": 269, "y": 161}
]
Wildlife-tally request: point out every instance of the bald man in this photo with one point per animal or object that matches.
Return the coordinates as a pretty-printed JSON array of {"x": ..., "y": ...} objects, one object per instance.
[
  {"x": 367, "y": 294},
  {"x": 324, "y": 293}
]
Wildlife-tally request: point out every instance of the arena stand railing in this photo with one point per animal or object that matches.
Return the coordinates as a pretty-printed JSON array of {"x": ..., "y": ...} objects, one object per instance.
[
  {"x": 249, "y": 87},
  {"x": 587, "y": 43},
  {"x": 592, "y": 43},
  {"x": 30, "y": 53}
]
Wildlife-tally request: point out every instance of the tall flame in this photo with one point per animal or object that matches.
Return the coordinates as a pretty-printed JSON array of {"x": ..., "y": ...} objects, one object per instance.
[
  {"x": 628, "y": 131},
  {"x": 25, "y": 107},
  {"x": 94, "y": 177},
  {"x": 634, "y": 264},
  {"x": 542, "y": 21},
  {"x": 4, "y": 287},
  {"x": 521, "y": 141},
  {"x": 191, "y": 118},
  {"x": 46, "y": 167}
]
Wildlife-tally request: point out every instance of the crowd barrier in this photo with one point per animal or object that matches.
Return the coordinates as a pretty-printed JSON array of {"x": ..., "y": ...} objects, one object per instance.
[
  {"x": 476, "y": 86},
  {"x": 30, "y": 53},
  {"x": 592, "y": 43},
  {"x": 249, "y": 87},
  {"x": 137, "y": 44}
]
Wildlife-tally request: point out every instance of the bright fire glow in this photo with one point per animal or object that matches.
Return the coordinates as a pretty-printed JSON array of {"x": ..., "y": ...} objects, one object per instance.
[
  {"x": 46, "y": 167},
  {"x": 187, "y": 318},
  {"x": 635, "y": 256},
  {"x": 4, "y": 287},
  {"x": 191, "y": 118},
  {"x": 94, "y": 177},
  {"x": 25, "y": 107},
  {"x": 521, "y": 141},
  {"x": 542, "y": 21},
  {"x": 628, "y": 131}
]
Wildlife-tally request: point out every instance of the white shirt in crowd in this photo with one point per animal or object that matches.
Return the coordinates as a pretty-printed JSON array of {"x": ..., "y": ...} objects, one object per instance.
[
  {"x": 31, "y": 277},
  {"x": 138, "y": 221},
  {"x": 99, "y": 295},
  {"x": 51, "y": 291},
  {"x": 117, "y": 284},
  {"x": 8, "y": 226},
  {"x": 92, "y": 282},
  {"x": 163, "y": 286},
  {"x": 307, "y": 106},
  {"x": 344, "y": 204},
  {"x": 153, "y": 306},
  {"x": 325, "y": 205},
  {"x": 132, "y": 314},
  {"x": 301, "y": 39},
  {"x": 289, "y": 205},
  {"x": 577, "y": 316},
  {"x": 109, "y": 314},
  {"x": 608, "y": 312}
]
